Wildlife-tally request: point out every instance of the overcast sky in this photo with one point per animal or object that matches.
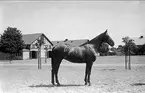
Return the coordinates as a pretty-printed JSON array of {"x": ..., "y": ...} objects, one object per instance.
[{"x": 75, "y": 19}]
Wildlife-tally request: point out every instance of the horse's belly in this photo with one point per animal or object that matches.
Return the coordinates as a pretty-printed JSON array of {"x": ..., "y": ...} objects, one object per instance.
[{"x": 75, "y": 59}]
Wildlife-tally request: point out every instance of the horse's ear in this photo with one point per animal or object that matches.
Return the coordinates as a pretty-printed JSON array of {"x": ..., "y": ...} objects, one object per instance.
[{"x": 106, "y": 31}]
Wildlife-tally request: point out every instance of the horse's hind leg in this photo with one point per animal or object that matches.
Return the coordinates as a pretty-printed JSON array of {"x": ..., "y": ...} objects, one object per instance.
[
  {"x": 52, "y": 77},
  {"x": 56, "y": 70},
  {"x": 52, "y": 71},
  {"x": 55, "y": 62}
]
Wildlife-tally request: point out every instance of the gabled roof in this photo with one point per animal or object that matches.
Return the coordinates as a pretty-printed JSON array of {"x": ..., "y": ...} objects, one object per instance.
[
  {"x": 71, "y": 42},
  {"x": 139, "y": 41},
  {"x": 30, "y": 38}
]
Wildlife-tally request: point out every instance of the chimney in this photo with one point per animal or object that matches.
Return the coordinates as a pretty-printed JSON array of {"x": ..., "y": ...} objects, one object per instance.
[
  {"x": 65, "y": 40},
  {"x": 140, "y": 37}
]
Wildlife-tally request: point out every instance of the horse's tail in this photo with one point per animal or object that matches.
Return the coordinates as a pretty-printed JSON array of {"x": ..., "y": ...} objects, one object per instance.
[
  {"x": 51, "y": 52},
  {"x": 52, "y": 57}
]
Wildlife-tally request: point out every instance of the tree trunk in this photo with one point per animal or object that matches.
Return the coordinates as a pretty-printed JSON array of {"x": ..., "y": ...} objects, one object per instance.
[
  {"x": 40, "y": 57},
  {"x": 129, "y": 64},
  {"x": 46, "y": 56},
  {"x": 10, "y": 58},
  {"x": 125, "y": 60}
]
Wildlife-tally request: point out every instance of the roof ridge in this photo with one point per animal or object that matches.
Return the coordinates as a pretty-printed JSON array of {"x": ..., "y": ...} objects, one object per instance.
[
  {"x": 33, "y": 34},
  {"x": 71, "y": 39}
]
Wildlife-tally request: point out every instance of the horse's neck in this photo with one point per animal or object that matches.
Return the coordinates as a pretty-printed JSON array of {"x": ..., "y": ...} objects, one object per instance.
[{"x": 96, "y": 43}]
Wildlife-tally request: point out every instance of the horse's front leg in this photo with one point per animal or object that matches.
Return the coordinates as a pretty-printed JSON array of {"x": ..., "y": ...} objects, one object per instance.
[
  {"x": 89, "y": 73},
  {"x": 86, "y": 74}
]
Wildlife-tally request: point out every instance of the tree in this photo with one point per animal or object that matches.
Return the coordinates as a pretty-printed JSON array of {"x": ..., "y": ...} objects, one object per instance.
[
  {"x": 40, "y": 42},
  {"x": 104, "y": 49},
  {"x": 129, "y": 44},
  {"x": 128, "y": 48},
  {"x": 120, "y": 48},
  {"x": 11, "y": 42}
]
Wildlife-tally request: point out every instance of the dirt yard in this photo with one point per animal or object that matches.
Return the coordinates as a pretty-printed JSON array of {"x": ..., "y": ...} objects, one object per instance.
[{"x": 108, "y": 76}]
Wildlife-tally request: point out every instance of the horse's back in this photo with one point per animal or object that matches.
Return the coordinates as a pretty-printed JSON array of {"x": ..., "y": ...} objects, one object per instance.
[{"x": 60, "y": 50}]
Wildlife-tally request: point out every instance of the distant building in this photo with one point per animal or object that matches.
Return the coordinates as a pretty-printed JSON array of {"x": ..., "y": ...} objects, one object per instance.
[
  {"x": 139, "y": 40},
  {"x": 31, "y": 51},
  {"x": 71, "y": 42}
]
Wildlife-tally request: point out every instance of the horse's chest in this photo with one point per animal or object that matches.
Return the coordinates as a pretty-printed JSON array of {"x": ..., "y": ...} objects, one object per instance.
[{"x": 90, "y": 57}]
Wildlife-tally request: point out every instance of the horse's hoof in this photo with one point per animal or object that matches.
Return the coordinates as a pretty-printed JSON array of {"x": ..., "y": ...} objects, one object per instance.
[
  {"x": 53, "y": 84},
  {"x": 86, "y": 83},
  {"x": 58, "y": 84},
  {"x": 89, "y": 84}
]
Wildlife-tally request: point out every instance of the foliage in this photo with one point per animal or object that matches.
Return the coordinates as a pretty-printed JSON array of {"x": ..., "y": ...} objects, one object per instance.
[
  {"x": 114, "y": 51},
  {"x": 129, "y": 45},
  {"x": 120, "y": 48},
  {"x": 11, "y": 41},
  {"x": 104, "y": 49},
  {"x": 141, "y": 49}
]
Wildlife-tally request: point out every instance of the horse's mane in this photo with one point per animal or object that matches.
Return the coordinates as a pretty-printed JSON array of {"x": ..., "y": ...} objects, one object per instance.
[{"x": 92, "y": 40}]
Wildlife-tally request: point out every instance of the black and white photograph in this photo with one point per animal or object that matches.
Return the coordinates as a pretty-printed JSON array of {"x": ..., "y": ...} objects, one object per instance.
[{"x": 72, "y": 46}]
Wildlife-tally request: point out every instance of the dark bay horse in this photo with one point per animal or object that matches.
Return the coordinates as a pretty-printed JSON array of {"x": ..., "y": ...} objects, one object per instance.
[{"x": 85, "y": 53}]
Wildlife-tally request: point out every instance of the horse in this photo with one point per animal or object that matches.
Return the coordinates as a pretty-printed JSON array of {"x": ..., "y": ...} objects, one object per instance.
[{"x": 85, "y": 53}]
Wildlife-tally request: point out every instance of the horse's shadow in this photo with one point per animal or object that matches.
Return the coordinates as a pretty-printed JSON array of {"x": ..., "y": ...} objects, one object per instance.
[
  {"x": 49, "y": 86},
  {"x": 138, "y": 84}
]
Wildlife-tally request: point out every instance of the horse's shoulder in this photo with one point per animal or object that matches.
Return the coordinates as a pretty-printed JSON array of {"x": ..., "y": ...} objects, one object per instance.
[{"x": 90, "y": 49}]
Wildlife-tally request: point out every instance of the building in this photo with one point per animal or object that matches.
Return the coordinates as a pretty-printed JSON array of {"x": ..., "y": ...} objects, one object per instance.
[
  {"x": 71, "y": 42},
  {"x": 30, "y": 50},
  {"x": 139, "y": 40}
]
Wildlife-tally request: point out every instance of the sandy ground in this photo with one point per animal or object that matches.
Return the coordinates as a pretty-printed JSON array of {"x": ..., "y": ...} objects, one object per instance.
[{"x": 108, "y": 76}]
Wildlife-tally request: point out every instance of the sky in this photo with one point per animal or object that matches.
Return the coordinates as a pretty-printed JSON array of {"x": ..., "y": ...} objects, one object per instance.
[{"x": 59, "y": 20}]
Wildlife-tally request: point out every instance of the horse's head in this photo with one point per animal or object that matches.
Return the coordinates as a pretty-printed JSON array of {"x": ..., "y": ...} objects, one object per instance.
[
  {"x": 107, "y": 38},
  {"x": 98, "y": 40}
]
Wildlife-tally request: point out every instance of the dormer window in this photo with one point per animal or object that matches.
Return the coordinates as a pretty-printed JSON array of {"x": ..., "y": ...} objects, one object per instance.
[{"x": 140, "y": 37}]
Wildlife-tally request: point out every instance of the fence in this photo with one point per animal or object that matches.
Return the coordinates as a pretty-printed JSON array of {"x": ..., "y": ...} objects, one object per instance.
[{"x": 7, "y": 56}]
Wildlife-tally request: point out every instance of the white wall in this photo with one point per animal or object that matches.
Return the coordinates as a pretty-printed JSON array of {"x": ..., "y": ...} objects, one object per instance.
[
  {"x": 25, "y": 55},
  {"x": 34, "y": 48}
]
